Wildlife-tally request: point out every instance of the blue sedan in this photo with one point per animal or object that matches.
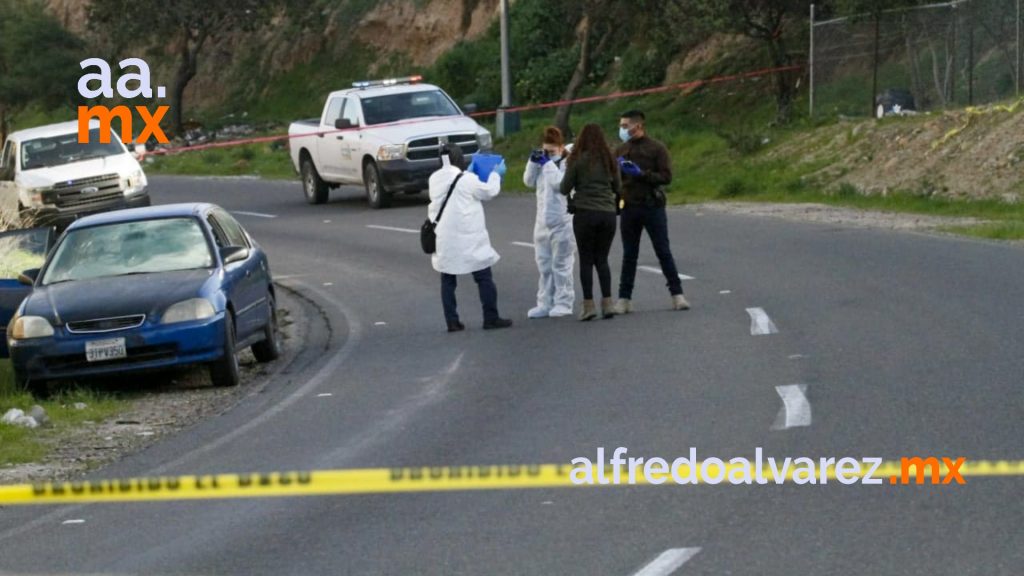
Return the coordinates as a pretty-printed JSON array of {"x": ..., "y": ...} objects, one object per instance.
[{"x": 145, "y": 289}]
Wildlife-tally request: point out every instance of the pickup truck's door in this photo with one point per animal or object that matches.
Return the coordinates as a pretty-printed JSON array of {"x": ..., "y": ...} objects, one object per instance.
[
  {"x": 329, "y": 146},
  {"x": 20, "y": 250},
  {"x": 350, "y": 142},
  {"x": 8, "y": 191}
]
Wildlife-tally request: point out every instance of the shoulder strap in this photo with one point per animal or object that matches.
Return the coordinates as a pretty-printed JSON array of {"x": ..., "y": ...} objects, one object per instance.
[{"x": 447, "y": 197}]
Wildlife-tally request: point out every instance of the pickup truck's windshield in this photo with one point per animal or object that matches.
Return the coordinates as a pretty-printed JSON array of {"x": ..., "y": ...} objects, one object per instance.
[
  {"x": 65, "y": 149},
  {"x": 395, "y": 107}
]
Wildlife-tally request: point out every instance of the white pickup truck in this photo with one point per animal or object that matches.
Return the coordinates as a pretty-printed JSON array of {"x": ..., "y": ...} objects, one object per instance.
[
  {"x": 48, "y": 178},
  {"x": 385, "y": 135}
]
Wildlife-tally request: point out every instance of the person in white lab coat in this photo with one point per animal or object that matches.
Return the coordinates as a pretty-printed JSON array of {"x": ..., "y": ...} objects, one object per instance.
[
  {"x": 463, "y": 245},
  {"x": 553, "y": 239}
]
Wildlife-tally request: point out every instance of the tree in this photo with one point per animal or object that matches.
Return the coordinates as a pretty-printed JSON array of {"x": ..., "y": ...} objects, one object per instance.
[
  {"x": 38, "y": 60},
  {"x": 764, "y": 21},
  {"x": 185, "y": 25}
]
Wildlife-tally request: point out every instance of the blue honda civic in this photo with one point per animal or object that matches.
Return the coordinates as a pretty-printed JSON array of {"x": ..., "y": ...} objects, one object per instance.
[{"x": 144, "y": 289}]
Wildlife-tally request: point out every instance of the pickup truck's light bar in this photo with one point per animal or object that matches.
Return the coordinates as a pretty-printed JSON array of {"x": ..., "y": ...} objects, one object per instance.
[{"x": 388, "y": 82}]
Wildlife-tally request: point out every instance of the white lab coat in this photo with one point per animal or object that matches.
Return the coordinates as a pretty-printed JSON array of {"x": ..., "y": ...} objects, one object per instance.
[
  {"x": 553, "y": 238},
  {"x": 463, "y": 245}
]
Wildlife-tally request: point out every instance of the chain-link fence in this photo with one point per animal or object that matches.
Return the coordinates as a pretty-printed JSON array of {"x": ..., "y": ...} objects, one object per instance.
[{"x": 916, "y": 59}]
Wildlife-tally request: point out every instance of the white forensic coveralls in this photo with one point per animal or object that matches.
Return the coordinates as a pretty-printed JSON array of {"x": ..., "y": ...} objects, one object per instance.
[
  {"x": 463, "y": 245},
  {"x": 555, "y": 244}
]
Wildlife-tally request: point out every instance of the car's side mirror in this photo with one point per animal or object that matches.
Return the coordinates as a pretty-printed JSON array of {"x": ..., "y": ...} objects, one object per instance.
[
  {"x": 469, "y": 108},
  {"x": 233, "y": 254},
  {"x": 28, "y": 277},
  {"x": 343, "y": 123}
]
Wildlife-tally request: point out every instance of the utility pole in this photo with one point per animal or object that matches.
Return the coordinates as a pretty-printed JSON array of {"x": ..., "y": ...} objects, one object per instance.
[
  {"x": 810, "y": 63},
  {"x": 508, "y": 122}
]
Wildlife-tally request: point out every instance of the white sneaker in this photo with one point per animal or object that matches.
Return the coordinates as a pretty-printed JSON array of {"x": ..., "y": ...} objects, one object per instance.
[
  {"x": 561, "y": 311},
  {"x": 623, "y": 306},
  {"x": 538, "y": 312},
  {"x": 679, "y": 302}
]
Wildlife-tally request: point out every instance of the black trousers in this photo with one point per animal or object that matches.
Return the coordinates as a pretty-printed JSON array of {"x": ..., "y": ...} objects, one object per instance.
[
  {"x": 595, "y": 232},
  {"x": 636, "y": 219}
]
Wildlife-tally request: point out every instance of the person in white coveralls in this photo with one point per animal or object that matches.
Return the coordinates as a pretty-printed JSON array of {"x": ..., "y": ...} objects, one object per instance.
[{"x": 554, "y": 242}]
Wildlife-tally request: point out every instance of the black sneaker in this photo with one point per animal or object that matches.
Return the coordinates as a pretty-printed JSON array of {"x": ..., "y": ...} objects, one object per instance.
[
  {"x": 456, "y": 326},
  {"x": 497, "y": 324}
]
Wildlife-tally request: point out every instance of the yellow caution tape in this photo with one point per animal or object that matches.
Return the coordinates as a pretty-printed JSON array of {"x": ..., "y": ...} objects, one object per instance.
[
  {"x": 973, "y": 111},
  {"x": 433, "y": 479}
]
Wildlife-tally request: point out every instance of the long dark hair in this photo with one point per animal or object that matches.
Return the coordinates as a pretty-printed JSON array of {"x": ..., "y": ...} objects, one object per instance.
[{"x": 592, "y": 143}]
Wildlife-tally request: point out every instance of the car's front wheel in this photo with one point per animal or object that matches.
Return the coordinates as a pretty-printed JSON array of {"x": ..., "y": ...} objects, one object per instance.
[
  {"x": 224, "y": 370},
  {"x": 313, "y": 186},
  {"x": 36, "y": 387},
  {"x": 269, "y": 349},
  {"x": 375, "y": 193}
]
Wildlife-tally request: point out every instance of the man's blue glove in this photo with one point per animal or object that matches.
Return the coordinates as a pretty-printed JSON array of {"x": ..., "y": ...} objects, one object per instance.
[
  {"x": 500, "y": 169},
  {"x": 539, "y": 157},
  {"x": 629, "y": 168}
]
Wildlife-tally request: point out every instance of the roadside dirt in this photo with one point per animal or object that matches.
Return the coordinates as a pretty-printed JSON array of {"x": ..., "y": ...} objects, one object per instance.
[
  {"x": 169, "y": 402},
  {"x": 824, "y": 214}
]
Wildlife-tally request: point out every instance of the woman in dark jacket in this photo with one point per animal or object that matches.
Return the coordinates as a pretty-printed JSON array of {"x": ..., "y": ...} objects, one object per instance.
[{"x": 592, "y": 178}]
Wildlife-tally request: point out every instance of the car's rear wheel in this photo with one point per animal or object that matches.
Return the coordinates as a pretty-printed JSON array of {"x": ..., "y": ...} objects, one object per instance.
[
  {"x": 375, "y": 192},
  {"x": 224, "y": 370},
  {"x": 270, "y": 348},
  {"x": 313, "y": 186}
]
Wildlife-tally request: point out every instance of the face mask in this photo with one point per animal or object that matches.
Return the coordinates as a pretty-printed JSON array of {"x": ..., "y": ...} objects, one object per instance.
[{"x": 623, "y": 134}]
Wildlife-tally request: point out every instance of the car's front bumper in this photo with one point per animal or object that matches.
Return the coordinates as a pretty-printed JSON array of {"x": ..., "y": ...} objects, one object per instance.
[
  {"x": 63, "y": 217},
  {"x": 149, "y": 347},
  {"x": 409, "y": 175}
]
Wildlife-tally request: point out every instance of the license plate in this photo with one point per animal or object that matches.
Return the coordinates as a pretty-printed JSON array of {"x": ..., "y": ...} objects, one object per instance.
[{"x": 101, "y": 350}]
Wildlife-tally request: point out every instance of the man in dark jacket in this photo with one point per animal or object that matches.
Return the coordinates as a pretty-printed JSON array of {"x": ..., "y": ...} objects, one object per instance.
[{"x": 646, "y": 172}]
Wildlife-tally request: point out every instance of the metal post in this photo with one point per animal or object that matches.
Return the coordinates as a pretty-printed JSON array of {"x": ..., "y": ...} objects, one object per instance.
[
  {"x": 874, "y": 66},
  {"x": 1018, "y": 47},
  {"x": 507, "y": 122},
  {"x": 970, "y": 53},
  {"x": 811, "y": 65},
  {"x": 952, "y": 74}
]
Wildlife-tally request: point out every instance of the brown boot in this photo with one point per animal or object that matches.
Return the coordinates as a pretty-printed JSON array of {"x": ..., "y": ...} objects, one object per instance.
[
  {"x": 607, "y": 308},
  {"x": 589, "y": 312}
]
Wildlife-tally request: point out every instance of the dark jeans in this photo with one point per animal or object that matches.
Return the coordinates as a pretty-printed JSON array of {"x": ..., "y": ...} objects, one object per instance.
[
  {"x": 488, "y": 295},
  {"x": 595, "y": 232},
  {"x": 636, "y": 219}
]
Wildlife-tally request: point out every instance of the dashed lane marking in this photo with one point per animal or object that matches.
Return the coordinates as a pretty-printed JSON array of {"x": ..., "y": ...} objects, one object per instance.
[
  {"x": 760, "y": 323},
  {"x": 796, "y": 408},
  {"x": 668, "y": 562},
  {"x": 254, "y": 214},
  {"x": 524, "y": 245},
  {"x": 393, "y": 229},
  {"x": 654, "y": 270}
]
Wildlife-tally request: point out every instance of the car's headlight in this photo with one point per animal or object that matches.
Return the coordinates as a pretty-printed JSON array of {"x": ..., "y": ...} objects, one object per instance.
[
  {"x": 188, "y": 310},
  {"x": 136, "y": 183},
  {"x": 35, "y": 196},
  {"x": 484, "y": 140},
  {"x": 391, "y": 152},
  {"x": 28, "y": 327}
]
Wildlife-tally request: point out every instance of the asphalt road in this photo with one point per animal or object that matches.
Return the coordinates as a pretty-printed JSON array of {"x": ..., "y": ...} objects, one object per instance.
[{"x": 909, "y": 345}]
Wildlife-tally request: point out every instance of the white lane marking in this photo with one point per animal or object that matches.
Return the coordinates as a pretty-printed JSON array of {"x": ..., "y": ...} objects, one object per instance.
[
  {"x": 760, "y": 323},
  {"x": 327, "y": 221},
  {"x": 798, "y": 356},
  {"x": 328, "y": 283},
  {"x": 668, "y": 562},
  {"x": 255, "y": 214},
  {"x": 393, "y": 229},
  {"x": 380, "y": 323},
  {"x": 324, "y": 395},
  {"x": 725, "y": 291},
  {"x": 289, "y": 276},
  {"x": 796, "y": 409},
  {"x": 654, "y": 270},
  {"x": 524, "y": 245},
  {"x": 69, "y": 522}
]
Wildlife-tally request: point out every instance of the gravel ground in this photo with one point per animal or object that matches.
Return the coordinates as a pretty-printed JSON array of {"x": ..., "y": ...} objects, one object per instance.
[
  {"x": 170, "y": 402},
  {"x": 825, "y": 214}
]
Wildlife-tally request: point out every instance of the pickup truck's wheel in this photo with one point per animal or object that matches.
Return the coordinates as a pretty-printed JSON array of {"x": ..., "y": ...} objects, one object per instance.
[
  {"x": 375, "y": 193},
  {"x": 224, "y": 370},
  {"x": 312, "y": 185}
]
